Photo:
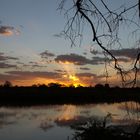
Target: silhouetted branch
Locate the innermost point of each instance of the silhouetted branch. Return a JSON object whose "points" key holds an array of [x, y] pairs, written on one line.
{"points": [[87, 11]]}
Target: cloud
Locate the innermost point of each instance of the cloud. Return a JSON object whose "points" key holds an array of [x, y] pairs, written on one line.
{"points": [[85, 68], [82, 60], [86, 75], [76, 59], [123, 55], [125, 52], [4, 65], [7, 30], [99, 59], [122, 59], [38, 66], [60, 71], [5, 77], [104, 59], [32, 74], [29, 77], [130, 53], [35, 65], [21, 63], [32, 65], [4, 58], [46, 54], [84, 53], [95, 52]]}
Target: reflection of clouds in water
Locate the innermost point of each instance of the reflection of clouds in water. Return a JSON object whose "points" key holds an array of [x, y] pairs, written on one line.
{"points": [[46, 117], [4, 123], [105, 109], [72, 121], [46, 126], [85, 112], [131, 106], [132, 111], [7, 117]]}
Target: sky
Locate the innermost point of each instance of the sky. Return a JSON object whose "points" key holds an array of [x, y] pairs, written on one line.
{"points": [[31, 53]]}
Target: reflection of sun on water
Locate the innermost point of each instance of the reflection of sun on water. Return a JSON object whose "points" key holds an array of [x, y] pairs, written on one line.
{"points": [[68, 114]]}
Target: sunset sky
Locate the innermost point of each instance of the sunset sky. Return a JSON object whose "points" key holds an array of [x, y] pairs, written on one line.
{"points": [[31, 52]]}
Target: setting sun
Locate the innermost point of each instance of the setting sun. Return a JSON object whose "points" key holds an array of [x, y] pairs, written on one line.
{"points": [[73, 78]]}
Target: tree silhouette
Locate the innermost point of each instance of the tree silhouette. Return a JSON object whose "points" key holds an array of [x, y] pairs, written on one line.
{"points": [[105, 23], [7, 84], [54, 85]]}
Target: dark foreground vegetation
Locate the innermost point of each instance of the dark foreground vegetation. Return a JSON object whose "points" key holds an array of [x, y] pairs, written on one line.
{"points": [[23, 96], [99, 130]]}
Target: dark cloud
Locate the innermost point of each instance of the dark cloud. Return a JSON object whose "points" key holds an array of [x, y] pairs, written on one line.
{"points": [[46, 54], [6, 30], [100, 59], [35, 65], [4, 77], [104, 59], [11, 58], [21, 63], [31, 65], [82, 60], [76, 59], [121, 59], [84, 53], [130, 53], [123, 55], [29, 74], [95, 52], [4, 58], [85, 68], [1, 53], [125, 52], [60, 71], [4, 65], [38, 66], [31, 62], [86, 75]]}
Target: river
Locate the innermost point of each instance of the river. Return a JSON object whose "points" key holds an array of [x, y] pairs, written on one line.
{"points": [[53, 122]]}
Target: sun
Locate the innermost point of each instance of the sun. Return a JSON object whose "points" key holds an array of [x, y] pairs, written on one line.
{"points": [[73, 78], [70, 74]]}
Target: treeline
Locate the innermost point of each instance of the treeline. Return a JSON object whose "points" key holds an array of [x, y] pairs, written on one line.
{"points": [[55, 85], [38, 95]]}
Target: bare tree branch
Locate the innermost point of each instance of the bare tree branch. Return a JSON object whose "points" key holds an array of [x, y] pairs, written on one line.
{"points": [[87, 11]]}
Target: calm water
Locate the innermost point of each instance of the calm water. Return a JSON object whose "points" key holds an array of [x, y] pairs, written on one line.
{"points": [[53, 122]]}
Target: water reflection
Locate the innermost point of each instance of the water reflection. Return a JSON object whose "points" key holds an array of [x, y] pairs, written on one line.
{"points": [[7, 118], [68, 113], [53, 122], [132, 110]]}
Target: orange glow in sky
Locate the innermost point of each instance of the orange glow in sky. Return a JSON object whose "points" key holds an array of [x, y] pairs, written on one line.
{"points": [[70, 73]]}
